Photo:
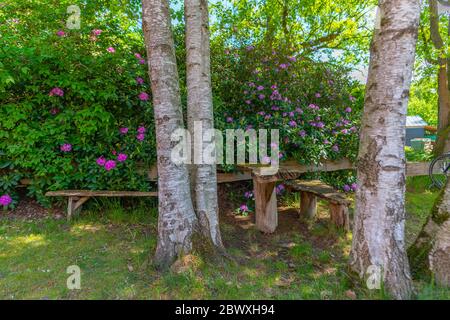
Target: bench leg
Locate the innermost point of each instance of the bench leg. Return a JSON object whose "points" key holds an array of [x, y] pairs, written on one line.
{"points": [[339, 216], [266, 214], [308, 204], [71, 207], [74, 205]]}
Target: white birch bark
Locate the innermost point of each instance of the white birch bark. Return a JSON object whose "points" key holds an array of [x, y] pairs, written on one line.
{"points": [[378, 234], [176, 214], [200, 110]]}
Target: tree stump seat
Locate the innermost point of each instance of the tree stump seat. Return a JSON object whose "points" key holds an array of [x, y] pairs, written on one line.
{"points": [[76, 198], [311, 190]]}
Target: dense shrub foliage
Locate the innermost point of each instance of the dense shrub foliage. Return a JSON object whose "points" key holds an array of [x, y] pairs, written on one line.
{"points": [[71, 98], [312, 104], [76, 110]]}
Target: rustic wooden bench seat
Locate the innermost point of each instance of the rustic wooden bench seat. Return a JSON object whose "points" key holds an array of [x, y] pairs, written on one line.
{"points": [[76, 198], [310, 190]]}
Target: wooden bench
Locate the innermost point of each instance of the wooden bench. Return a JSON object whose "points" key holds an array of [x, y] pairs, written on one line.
{"points": [[78, 197], [310, 190]]}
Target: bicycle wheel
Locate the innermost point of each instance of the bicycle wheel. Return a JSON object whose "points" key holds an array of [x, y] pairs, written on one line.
{"points": [[439, 170]]}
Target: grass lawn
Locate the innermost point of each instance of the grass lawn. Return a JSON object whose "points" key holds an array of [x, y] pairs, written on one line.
{"points": [[112, 246]]}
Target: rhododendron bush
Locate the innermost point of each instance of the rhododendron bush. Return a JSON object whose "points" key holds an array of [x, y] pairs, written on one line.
{"points": [[70, 98]]}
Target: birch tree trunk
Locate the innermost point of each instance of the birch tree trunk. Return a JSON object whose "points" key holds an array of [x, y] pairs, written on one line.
{"points": [[201, 118], [431, 251], [176, 215], [378, 234]]}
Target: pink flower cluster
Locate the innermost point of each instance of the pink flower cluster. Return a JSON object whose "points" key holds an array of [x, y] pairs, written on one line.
{"points": [[111, 164], [141, 133], [143, 96], [56, 92], [353, 187], [66, 147], [5, 200], [97, 32], [139, 80], [138, 56]]}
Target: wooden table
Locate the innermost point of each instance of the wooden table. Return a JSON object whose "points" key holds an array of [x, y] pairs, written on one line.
{"points": [[266, 213]]}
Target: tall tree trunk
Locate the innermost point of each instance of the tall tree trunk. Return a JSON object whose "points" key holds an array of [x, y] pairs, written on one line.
{"points": [[378, 234], [443, 80], [176, 213], [200, 117], [431, 251], [444, 106]]}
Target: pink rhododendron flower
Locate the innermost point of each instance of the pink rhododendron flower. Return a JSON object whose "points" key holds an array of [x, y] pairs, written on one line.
{"points": [[139, 80], [122, 157], [111, 49], [123, 130], [54, 111], [348, 109], [56, 92], [354, 186], [243, 208], [60, 33], [97, 32], [66, 147], [109, 165], [335, 148], [5, 200], [142, 61], [143, 96], [141, 129], [229, 119], [138, 56], [346, 188], [279, 189], [140, 137], [318, 95], [101, 161]]}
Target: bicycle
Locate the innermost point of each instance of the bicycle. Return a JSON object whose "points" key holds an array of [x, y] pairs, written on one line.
{"points": [[439, 170]]}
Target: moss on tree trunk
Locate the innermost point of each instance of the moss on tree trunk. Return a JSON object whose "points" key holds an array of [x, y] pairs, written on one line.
{"points": [[442, 142], [430, 253]]}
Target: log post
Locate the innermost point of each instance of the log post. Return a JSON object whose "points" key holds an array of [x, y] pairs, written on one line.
{"points": [[339, 215], [71, 207], [266, 214], [308, 204]]}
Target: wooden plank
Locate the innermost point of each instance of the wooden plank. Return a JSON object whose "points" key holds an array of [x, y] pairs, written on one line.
{"points": [[418, 169], [308, 204], [233, 177], [266, 214], [88, 193], [222, 177], [339, 215], [319, 189]]}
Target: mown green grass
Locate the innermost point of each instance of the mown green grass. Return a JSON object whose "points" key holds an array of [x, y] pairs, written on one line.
{"points": [[112, 246]]}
